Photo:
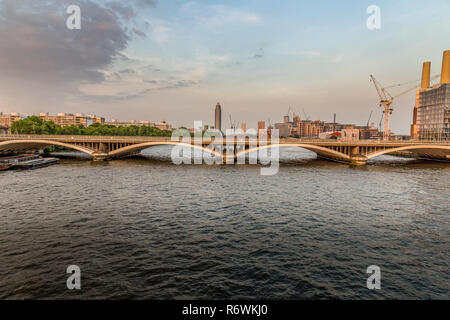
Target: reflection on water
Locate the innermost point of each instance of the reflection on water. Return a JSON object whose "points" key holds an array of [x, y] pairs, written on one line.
{"points": [[145, 228]]}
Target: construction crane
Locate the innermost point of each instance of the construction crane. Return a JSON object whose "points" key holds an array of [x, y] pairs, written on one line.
{"points": [[410, 82], [306, 116], [381, 120], [370, 117], [386, 101], [232, 125], [289, 112]]}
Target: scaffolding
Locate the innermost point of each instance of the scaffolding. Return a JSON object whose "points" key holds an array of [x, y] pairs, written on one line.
{"points": [[433, 113]]}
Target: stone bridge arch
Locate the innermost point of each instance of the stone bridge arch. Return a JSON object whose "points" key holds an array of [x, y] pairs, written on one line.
{"points": [[320, 151], [26, 145], [432, 151], [142, 146]]}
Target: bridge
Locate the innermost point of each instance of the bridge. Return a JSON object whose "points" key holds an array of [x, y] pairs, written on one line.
{"points": [[105, 148]]}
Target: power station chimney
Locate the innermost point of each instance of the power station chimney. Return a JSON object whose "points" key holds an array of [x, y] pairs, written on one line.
{"points": [[426, 71], [445, 74]]}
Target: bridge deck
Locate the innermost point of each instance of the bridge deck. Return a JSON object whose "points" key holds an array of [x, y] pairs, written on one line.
{"points": [[136, 140]]}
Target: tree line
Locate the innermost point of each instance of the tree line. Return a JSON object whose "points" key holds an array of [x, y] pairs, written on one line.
{"points": [[36, 125]]}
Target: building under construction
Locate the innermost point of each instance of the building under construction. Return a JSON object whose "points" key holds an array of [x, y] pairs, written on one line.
{"points": [[431, 119]]}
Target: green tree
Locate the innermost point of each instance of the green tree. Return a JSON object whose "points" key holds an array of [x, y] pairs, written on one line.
{"points": [[36, 125]]}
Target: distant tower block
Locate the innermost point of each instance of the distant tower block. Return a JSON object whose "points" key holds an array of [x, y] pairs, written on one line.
{"points": [[218, 117], [244, 127], [261, 127]]}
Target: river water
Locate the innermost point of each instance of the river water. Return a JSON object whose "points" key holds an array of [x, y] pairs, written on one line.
{"points": [[148, 229]]}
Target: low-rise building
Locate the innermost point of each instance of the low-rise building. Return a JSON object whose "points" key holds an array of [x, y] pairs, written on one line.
{"points": [[161, 125], [350, 134], [164, 126], [284, 129], [131, 123], [262, 128], [68, 119], [6, 120], [369, 133]]}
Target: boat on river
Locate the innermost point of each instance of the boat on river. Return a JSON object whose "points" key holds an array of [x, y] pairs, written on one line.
{"points": [[26, 161], [35, 163], [18, 158], [4, 166]]}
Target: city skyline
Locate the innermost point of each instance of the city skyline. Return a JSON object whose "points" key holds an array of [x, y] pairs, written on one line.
{"points": [[155, 60]]}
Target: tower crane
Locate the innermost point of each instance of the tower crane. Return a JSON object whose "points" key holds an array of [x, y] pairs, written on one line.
{"points": [[370, 117], [232, 125], [386, 101], [306, 116], [289, 112]]}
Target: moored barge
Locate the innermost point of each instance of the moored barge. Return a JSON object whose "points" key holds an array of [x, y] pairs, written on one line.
{"points": [[26, 161], [36, 163]]}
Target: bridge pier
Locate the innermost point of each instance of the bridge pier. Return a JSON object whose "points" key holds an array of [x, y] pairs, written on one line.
{"points": [[100, 156], [358, 160], [229, 155]]}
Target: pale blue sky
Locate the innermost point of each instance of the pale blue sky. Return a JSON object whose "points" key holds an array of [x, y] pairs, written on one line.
{"points": [[256, 57]]}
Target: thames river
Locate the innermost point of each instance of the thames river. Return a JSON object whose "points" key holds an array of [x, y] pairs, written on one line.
{"points": [[148, 229]]}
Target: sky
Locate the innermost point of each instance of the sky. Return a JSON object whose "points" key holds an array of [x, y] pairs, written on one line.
{"points": [[174, 60]]}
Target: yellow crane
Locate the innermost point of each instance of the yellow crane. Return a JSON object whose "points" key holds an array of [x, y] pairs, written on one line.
{"points": [[386, 101]]}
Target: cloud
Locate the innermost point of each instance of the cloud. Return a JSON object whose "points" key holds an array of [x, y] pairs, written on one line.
{"points": [[223, 15], [258, 55], [125, 11], [219, 15], [44, 64], [159, 32], [150, 3], [166, 85], [45, 61], [326, 57], [135, 91], [127, 71], [139, 33], [36, 45]]}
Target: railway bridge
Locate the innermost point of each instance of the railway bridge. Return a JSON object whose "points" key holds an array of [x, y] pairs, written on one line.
{"points": [[110, 147]]}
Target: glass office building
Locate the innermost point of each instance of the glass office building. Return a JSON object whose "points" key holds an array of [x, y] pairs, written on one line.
{"points": [[433, 113]]}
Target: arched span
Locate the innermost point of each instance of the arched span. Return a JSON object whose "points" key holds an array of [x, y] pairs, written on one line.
{"points": [[439, 150], [141, 146], [39, 144], [321, 151]]}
